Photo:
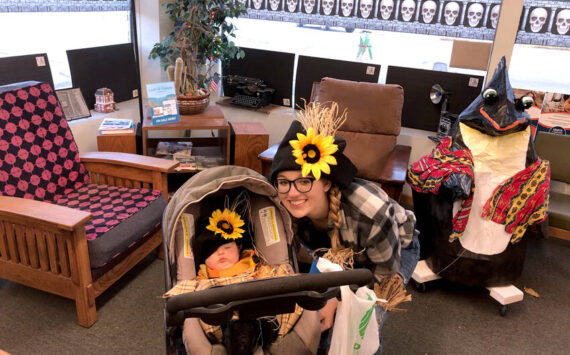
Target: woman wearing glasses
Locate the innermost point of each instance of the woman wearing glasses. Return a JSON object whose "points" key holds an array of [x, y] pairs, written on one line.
{"points": [[332, 209]]}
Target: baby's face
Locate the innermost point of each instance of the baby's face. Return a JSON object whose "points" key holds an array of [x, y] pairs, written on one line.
{"points": [[224, 257]]}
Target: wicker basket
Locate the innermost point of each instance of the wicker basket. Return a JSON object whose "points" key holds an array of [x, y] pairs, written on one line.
{"points": [[191, 105]]}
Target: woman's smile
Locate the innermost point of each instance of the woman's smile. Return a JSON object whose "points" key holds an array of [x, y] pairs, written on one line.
{"points": [[312, 204], [297, 203]]}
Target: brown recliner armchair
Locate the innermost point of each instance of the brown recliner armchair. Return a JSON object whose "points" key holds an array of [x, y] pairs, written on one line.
{"points": [[371, 130]]}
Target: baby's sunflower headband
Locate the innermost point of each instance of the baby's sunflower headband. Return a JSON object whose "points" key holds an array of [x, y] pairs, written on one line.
{"points": [[226, 223], [314, 151]]}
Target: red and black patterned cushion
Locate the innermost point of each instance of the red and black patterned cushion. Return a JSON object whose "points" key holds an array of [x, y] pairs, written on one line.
{"points": [[39, 158], [109, 205]]}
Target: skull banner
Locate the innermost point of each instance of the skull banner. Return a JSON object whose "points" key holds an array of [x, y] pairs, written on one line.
{"points": [[407, 10], [562, 23], [451, 12], [346, 8], [366, 9], [328, 7], [275, 5], [292, 5], [537, 20], [386, 10], [474, 15], [546, 22], [428, 11], [493, 18], [258, 4], [309, 6]]}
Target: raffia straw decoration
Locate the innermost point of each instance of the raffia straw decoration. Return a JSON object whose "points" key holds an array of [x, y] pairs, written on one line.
{"points": [[343, 256], [323, 119], [392, 290]]}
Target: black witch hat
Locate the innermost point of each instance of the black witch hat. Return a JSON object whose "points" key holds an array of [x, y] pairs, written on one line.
{"points": [[307, 148], [496, 112]]}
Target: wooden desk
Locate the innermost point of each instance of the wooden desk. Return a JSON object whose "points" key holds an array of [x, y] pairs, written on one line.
{"points": [[211, 119]]}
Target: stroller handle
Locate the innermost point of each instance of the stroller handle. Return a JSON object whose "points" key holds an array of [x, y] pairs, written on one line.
{"points": [[309, 290]]}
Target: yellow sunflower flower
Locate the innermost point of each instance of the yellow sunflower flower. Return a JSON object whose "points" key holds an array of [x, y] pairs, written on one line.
{"points": [[314, 153], [226, 224]]}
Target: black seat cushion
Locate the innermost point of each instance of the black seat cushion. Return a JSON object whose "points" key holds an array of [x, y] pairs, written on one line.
{"points": [[121, 217]]}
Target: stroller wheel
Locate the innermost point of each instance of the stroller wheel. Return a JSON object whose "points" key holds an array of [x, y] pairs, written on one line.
{"points": [[420, 286], [503, 310]]}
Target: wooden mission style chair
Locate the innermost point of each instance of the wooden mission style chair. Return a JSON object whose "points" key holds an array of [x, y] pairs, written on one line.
{"points": [[70, 224], [371, 130]]}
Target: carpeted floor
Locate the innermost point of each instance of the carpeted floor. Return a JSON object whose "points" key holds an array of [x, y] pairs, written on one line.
{"points": [[446, 319]]}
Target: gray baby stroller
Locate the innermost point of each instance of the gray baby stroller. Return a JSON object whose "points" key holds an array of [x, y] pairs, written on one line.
{"points": [[272, 239]]}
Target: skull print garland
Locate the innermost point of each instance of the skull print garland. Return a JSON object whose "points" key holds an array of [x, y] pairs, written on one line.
{"points": [[475, 14], [451, 12], [407, 10], [563, 21], [309, 6], [537, 19], [386, 8], [428, 11], [495, 15], [314, 151], [274, 5], [366, 7], [346, 7]]}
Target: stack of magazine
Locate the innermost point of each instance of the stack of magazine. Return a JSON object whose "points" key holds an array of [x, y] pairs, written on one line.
{"points": [[182, 153], [178, 151], [116, 126]]}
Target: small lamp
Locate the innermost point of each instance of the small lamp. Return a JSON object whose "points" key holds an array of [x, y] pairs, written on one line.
{"points": [[438, 95]]}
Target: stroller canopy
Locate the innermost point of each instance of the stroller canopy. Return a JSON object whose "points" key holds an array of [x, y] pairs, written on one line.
{"points": [[215, 181]]}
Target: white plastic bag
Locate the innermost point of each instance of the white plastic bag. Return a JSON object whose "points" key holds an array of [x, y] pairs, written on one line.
{"points": [[355, 329]]}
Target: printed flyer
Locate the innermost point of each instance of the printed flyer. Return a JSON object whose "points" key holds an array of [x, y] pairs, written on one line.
{"points": [[162, 101], [555, 115]]}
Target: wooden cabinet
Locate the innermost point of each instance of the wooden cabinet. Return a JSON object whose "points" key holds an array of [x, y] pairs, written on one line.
{"points": [[249, 140], [124, 143], [212, 121]]}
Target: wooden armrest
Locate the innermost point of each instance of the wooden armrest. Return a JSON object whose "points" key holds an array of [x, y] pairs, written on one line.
{"points": [[28, 212], [130, 160], [396, 167]]}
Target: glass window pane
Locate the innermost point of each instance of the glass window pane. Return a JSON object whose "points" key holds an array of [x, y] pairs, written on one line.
{"points": [[540, 68], [55, 32], [388, 48]]}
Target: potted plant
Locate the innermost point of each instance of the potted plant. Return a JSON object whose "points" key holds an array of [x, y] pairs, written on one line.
{"points": [[201, 37]]}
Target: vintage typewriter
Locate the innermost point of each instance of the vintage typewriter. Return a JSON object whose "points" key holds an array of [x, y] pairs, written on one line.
{"points": [[248, 92]]}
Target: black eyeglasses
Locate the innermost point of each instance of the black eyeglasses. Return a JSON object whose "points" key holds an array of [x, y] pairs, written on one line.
{"points": [[303, 184]]}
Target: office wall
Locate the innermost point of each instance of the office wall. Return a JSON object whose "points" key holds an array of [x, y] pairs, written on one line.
{"points": [[152, 25]]}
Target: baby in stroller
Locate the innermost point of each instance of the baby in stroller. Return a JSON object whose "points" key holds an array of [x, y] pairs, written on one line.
{"points": [[267, 230], [220, 250]]}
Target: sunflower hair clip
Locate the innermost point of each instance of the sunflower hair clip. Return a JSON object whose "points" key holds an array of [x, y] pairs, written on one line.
{"points": [[314, 151], [226, 223]]}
